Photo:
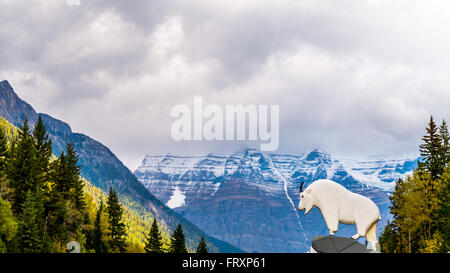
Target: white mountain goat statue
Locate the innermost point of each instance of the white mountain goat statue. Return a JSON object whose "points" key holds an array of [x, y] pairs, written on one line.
{"points": [[337, 204]]}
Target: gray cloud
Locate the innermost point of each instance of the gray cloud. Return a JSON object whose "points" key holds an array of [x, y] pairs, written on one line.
{"points": [[351, 77]]}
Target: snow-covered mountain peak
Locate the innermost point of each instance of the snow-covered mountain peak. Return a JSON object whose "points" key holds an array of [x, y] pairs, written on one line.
{"points": [[318, 157]]}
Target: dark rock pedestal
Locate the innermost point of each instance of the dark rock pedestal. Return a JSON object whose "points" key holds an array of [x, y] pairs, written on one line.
{"points": [[336, 244]]}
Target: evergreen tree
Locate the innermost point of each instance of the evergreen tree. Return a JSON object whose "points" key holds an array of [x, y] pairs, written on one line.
{"points": [[43, 147], [177, 241], [4, 185], [443, 213], [21, 167], [58, 202], [3, 150], [153, 242], [61, 177], [389, 239], [431, 150], [202, 248], [98, 244], [73, 172], [29, 234], [116, 227], [64, 218], [445, 138]]}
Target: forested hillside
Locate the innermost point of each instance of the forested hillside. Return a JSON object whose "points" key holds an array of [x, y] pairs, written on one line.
{"points": [[44, 203], [99, 165]]}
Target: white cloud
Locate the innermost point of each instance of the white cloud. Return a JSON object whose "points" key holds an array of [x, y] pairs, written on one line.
{"points": [[349, 76]]}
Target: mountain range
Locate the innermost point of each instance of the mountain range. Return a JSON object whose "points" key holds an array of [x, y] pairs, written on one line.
{"points": [[102, 168], [250, 199]]}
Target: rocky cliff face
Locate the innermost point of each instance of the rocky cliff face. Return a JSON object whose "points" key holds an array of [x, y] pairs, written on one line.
{"points": [[250, 199], [101, 167]]}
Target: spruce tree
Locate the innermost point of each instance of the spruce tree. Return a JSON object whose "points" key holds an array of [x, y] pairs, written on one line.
{"points": [[177, 241], [202, 248], [4, 185], [117, 230], [3, 150], [21, 167], [60, 176], [153, 242], [73, 173], [29, 233], [445, 138], [98, 244], [431, 150], [43, 146], [56, 207], [389, 239]]}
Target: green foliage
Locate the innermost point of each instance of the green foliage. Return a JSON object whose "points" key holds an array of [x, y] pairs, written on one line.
{"points": [[178, 242], [9, 129], [73, 173], [445, 147], [44, 203], [21, 167], [3, 149], [389, 238], [136, 218], [96, 238], [43, 148], [153, 242], [30, 237], [8, 225], [431, 150], [202, 248], [116, 227], [419, 204]]}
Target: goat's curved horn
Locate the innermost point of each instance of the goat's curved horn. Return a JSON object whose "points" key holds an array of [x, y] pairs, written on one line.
{"points": [[301, 186]]}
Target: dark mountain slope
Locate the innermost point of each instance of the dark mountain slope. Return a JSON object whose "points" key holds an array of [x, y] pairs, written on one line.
{"points": [[102, 167]]}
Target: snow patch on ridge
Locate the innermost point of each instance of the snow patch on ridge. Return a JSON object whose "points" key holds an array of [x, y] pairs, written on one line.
{"points": [[177, 199]]}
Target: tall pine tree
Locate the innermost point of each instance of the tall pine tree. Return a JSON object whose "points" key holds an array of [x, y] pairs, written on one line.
{"points": [[60, 176], [431, 150], [153, 242], [98, 244], [202, 248], [43, 147], [73, 173], [117, 230], [21, 167], [30, 235], [4, 185], [177, 241], [445, 147], [3, 149]]}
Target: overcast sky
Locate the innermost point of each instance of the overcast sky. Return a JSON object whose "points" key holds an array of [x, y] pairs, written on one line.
{"points": [[351, 77]]}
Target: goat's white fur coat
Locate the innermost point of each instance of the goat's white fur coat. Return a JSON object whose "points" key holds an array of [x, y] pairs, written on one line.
{"points": [[338, 204]]}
